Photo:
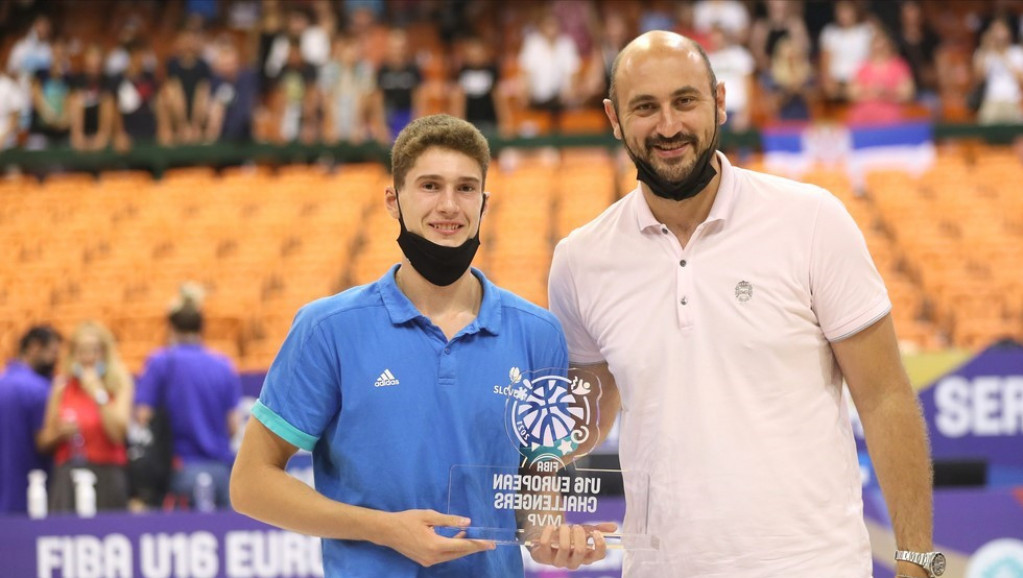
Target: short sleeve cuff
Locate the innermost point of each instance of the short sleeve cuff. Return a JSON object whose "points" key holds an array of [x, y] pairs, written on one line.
{"points": [[853, 326], [282, 428]]}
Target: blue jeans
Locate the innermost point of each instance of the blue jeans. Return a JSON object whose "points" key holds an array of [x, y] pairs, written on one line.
{"points": [[183, 481]]}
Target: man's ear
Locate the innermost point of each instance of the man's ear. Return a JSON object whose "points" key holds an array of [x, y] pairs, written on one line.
{"points": [[612, 115], [486, 203]]}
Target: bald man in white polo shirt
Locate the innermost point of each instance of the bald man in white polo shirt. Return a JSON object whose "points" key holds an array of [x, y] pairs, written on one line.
{"points": [[722, 308]]}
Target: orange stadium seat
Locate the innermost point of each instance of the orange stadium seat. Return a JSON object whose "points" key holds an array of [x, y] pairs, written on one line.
{"points": [[949, 244]]}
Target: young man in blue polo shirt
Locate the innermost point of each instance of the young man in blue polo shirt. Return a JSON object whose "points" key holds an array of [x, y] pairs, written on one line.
{"points": [[24, 389], [392, 383]]}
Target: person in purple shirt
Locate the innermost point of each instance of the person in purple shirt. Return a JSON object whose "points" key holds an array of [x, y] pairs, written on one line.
{"points": [[24, 389], [199, 389]]}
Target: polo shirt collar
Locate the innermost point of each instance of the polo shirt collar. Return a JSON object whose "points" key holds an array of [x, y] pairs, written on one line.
{"points": [[721, 210], [401, 310]]}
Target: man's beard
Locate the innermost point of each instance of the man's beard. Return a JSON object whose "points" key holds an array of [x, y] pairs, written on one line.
{"points": [[688, 180]]}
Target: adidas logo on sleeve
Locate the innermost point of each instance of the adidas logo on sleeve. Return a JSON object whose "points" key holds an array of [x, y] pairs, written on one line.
{"points": [[386, 378]]}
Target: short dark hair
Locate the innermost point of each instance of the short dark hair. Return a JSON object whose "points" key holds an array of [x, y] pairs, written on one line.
{"points": [[612, 94], [186, 318], [437, 130], [42, 335]]}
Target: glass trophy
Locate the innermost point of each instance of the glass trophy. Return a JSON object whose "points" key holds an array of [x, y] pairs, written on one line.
{"points": [[552, 420]]}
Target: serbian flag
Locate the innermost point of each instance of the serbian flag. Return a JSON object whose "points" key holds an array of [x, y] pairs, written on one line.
{"points": [[792, 150], [907, 146]]}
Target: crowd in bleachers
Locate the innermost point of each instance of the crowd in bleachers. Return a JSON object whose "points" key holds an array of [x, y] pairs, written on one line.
{"points": [[113, 74]]}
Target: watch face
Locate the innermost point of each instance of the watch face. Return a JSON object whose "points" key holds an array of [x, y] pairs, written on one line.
{"points": [[938, 564]]}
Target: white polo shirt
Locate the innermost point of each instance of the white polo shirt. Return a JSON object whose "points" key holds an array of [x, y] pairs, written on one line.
{"points": [[731, 396]]}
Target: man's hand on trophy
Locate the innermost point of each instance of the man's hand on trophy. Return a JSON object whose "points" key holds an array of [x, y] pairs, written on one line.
{"points": [[569, 546]]}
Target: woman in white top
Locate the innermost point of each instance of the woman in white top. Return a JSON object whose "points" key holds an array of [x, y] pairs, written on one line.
{"points": [[845, 45], [999, 64]]}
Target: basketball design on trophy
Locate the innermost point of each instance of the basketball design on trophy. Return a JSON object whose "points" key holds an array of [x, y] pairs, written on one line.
{"points": [[550, 415]]}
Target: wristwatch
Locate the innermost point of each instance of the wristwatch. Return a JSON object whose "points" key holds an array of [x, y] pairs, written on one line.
{"points": [[933, 562]]}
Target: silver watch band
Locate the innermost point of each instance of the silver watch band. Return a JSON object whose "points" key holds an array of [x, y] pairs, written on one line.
{"points": [[919, 558]]}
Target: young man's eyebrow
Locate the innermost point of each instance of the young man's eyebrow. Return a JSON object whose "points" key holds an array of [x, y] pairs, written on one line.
{"points": [[441, 177]]}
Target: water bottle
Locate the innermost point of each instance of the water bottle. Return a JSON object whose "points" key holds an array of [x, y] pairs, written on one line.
{"points": [[77, 441], [204, 497], [85, 492], [37, 494]]}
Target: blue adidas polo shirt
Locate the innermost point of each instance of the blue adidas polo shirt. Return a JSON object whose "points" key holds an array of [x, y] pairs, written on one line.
{"points": [[387, 405]]}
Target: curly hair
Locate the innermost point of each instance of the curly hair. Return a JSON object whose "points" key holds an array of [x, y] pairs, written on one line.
{"points": [[438, 130]]}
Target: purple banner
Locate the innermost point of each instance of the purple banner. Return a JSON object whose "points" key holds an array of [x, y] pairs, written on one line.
{"points": [[981, 532], [219, 545], [976, 411]]}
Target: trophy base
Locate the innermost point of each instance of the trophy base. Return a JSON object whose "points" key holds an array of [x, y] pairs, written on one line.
{"points": [[507, 537]]}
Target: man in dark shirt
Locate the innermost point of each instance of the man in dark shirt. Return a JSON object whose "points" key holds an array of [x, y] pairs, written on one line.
{"points": [[141, 115], [233, 95], [24, 389], [50, 111], [187, 88], [91, 104], [398, 82], [477, 82]]}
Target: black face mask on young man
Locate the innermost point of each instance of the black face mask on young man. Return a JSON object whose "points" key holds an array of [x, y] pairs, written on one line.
{"points": [[701, 175], [439, 264]]}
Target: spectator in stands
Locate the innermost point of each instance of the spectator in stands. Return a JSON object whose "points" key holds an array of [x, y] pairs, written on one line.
{"points": [[87, 418], [729, 15], [789, 80], [918, 44], [313, 42], [782, 21], [187, 88], [656, 15], [270, 27], [844, 47], [685, 24], [234, 95], [24, 389], [614, 34], [32, 53], [118, 59], [477, 88], [296, 98], [578, 21], [348, 83], [11, 105], [200, 390], [91, 104], [999, 65], [550, 64], [141, 112], [51, 113], [882, 85], [398, 84], [734, 66]]}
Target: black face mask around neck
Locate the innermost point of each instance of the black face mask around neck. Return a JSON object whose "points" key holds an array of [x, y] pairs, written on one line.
{"points": [[701, 175], [438, 264]]}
